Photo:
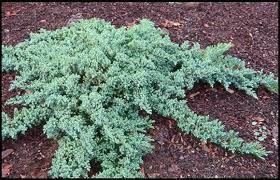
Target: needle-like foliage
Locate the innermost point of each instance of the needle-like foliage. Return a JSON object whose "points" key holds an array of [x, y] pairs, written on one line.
{"points": [[87, 83]]}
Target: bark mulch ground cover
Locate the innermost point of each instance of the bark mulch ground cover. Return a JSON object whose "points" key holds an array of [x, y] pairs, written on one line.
{"points": [[251, 27]]}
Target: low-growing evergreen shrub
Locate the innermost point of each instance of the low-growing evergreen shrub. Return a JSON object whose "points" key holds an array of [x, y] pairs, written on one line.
{"points": [[87, 83]]}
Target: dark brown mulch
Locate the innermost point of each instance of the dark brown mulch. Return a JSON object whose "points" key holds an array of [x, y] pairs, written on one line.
{"points": [[251, 27]]}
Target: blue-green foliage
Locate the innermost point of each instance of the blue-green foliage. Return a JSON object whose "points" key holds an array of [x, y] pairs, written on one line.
{"points": [[87, 83]]}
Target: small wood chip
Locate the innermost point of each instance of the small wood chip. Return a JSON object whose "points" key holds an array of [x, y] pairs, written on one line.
{"points": [[6, 153], [165, 30], [275, 135], [231, 91], [182, 140], [8, 13], [22, 176], [191, 5], [206, 25], [173, 168], [214, 89], [43, 21], [135, 21], [205, 148], [258, 119], [172, 139], [171, 124], [194, 94], [6, 168], [74, 18], [169, 24], [142, 170], [153, 175]]}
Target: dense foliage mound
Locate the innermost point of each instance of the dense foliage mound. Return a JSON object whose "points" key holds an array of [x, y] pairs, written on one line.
{"points": [[88, 82]]}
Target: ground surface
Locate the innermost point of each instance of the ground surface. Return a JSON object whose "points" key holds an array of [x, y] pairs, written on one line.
{"points": [[251, 27]]}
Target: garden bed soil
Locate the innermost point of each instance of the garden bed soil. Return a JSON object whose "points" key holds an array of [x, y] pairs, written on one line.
{"points": [[251, 27]]}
